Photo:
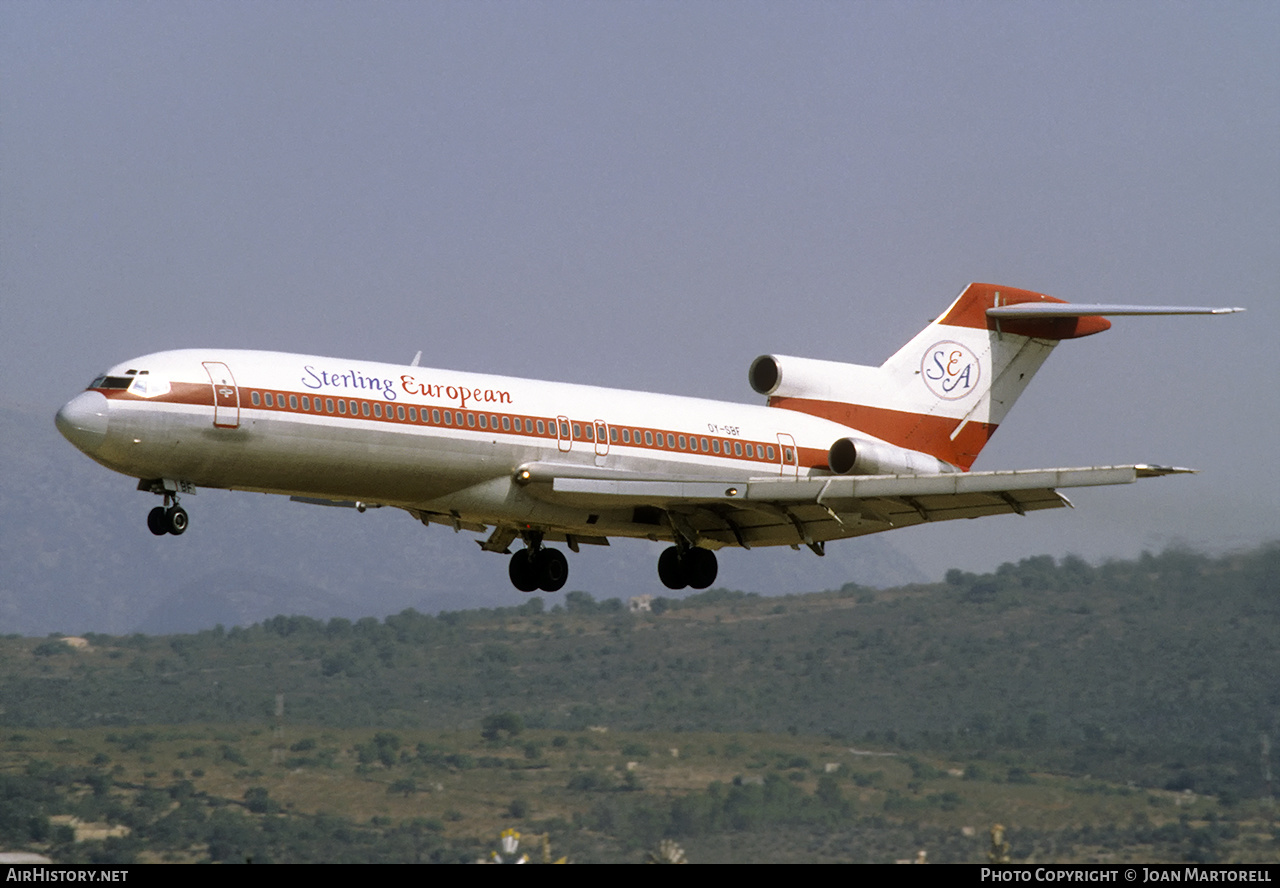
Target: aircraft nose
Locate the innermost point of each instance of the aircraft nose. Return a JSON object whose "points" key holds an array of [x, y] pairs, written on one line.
{"points": [[83, 420]]}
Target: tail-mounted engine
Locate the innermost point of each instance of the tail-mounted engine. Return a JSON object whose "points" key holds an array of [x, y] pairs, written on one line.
{"points": [[860, 456], [783, 376]]}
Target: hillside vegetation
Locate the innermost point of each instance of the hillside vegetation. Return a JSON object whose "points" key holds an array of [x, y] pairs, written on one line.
{"points": [[1113, 710]]}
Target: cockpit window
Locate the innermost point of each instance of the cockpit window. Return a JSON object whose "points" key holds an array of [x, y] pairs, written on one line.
{"points": [[111, 382], [147, 386]]}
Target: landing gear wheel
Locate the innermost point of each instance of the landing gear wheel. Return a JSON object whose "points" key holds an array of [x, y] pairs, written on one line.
{"points": [[176, 520], [700, 567], [521, 570], [157, 522], [696, 568], [552, 569], [670, 570]]}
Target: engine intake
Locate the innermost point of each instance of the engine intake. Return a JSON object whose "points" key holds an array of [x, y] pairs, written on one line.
{"points": [[765, 374]]}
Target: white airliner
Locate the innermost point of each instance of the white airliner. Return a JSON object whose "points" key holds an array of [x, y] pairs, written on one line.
{"points": [[839, 450]]}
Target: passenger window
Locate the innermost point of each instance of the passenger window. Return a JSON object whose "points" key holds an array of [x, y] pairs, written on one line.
{"points": [[577, 431], [399, 413], [328, 404], [256, 400], [613, 435], [413, 414], [448, 417], [705, 445], [377, 410], [506, 423], [684, 444], [364, 408], [715, 445], [737, 448], [671, 440], [484, 421], [626, 436], [270, 401], [306, 403], [435, 416], [542, 428], [590, 430], [648, 438], [751, 451], [293, 402], [564, 430], [769, 450], [342, 407]]}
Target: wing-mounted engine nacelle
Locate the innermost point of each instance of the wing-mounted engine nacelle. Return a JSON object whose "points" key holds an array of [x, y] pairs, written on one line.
{"points": [[859, 456]]}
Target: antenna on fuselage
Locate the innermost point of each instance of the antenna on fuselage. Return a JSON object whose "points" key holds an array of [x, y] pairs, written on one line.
{"points": [[416, 359]]}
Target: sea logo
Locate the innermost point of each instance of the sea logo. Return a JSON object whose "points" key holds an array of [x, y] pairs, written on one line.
{"points": [[950, 370]]}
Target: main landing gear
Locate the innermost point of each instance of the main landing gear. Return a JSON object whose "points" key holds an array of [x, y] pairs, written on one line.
{"points": [[169, 518], [693, 567], [536, 567]]}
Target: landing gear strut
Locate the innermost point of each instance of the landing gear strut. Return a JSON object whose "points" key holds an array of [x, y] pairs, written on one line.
{"points": [[694, 567], [169, 518], [535, 567]]}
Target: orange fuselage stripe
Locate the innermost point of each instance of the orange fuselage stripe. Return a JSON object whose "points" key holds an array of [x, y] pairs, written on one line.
{"points": [[201, 394]]}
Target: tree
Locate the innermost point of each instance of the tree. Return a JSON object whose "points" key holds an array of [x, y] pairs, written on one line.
{"points": [[500, 725], [406, 787]]}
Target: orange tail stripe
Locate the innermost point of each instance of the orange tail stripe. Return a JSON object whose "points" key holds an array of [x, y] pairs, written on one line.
{"points": [[915, 431]]}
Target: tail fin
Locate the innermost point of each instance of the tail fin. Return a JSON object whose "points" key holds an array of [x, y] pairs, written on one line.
{"points": [[946, 391]]}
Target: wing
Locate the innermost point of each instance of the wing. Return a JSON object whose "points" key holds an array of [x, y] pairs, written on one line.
{"points": [[779, 511]]}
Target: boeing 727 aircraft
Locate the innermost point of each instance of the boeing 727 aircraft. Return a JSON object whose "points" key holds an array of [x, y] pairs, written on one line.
{"points": [[838, 450]]}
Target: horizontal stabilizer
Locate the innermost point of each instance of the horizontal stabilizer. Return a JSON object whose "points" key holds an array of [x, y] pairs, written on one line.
{"points": [[1072, 310]]}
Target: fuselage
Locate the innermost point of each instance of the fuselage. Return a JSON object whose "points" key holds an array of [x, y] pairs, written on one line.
{"points": [[440, 442]]}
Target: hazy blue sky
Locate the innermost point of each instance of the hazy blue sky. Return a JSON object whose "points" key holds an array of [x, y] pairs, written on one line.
{"points": [[648, 195]]}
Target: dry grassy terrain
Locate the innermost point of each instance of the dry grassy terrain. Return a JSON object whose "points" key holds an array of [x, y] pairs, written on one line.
{"points": [[465, 790]]}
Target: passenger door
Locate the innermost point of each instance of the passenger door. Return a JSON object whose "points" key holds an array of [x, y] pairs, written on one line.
{"points": [[226, 395], [788, 456]]}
